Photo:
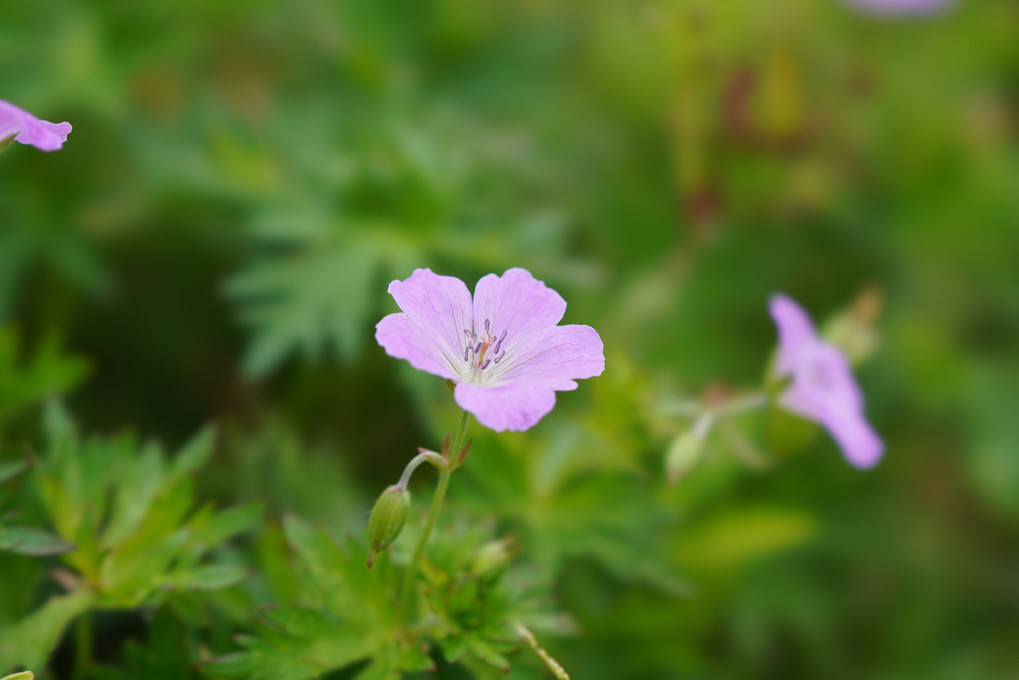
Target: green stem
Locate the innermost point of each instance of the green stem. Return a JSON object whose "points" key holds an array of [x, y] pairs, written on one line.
{"points": [[410, 576], [82, 647]]}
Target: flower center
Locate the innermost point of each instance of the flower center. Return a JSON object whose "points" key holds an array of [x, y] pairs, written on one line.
{"points": [[483, 350], [820, 376]]}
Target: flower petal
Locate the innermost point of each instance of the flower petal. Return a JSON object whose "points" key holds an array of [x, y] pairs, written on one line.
{"points": [[403, 339], [440, 308], [823, 381], [795, 331], [902, 6], [30, 130], [554, 357], [517, 303], [10, 120], [514, 407], [45, 135], [859, 443]]}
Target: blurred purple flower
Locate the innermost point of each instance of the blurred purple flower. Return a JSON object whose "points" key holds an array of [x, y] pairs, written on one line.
{"points": [[503, 349], [822, 387], [901, 6], [30, 130]]}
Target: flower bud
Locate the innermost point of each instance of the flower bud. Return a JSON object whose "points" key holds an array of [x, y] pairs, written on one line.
{"points": [[492, 559], [387, 519], [686, 449]]}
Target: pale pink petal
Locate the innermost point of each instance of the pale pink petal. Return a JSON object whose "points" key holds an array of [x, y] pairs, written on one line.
{"points": [[902, 6], [795, 332], [440, 308], [517, 303], [854, 435], [403, 339], [514, 407], [555, 357], [823, 375], [10, 120], [44, 135], [30, 130]]}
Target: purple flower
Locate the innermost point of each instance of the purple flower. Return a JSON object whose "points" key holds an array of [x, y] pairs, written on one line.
{"points": [[901, 6], [503, 349], [822, 387], [30, 130]]}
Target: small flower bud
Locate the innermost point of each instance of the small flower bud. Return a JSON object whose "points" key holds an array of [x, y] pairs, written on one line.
{"points": [[492, 559], [686, 449], [387, 519]]}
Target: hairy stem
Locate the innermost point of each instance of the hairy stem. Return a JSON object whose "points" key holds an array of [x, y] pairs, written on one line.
{"points": [[407, 592]]}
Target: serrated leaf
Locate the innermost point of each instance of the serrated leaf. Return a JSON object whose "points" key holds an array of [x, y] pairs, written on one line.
{"points": [[211, 577], [195, 453], [293, 644], [44, 373], [314, 300], [29, 541], [225, 525], [28, 642]]}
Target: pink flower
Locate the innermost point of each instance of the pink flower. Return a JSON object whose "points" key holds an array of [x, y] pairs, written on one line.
{"points": [[901, 6], [503, 349], [30, 130], [822, 387]]}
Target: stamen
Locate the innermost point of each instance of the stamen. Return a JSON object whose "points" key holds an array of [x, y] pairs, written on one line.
{"points": [[467, 353], [478, 348], [485, 365], [498, 343], [499, 358], [487, 324]]}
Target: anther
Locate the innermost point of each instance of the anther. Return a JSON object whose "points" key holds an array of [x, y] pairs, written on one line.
{"points": [[498, 343], [467, 353], [499, 358], [487, 324], [485, 365]]}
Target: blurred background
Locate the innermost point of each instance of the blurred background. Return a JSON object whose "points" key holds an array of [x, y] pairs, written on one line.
{"points": [[244, 178]]}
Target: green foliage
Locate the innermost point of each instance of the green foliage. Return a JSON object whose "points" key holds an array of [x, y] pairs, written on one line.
{"points": [[243, 180], [163, 656], [129, 516], [344, 613], [315, 276], [47, 372]]}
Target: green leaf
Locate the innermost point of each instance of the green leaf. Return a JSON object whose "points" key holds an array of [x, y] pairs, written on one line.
{"points": [[211, 577], [12, 469], [44, 373], [223, 526], [737, 537], [28, 642], [294, 644], [29, 541], [316, 299], [195, 454]]}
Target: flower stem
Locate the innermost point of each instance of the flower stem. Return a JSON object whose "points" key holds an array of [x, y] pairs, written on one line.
{"points": [[742, 404], [407, 592], [430, 456]]}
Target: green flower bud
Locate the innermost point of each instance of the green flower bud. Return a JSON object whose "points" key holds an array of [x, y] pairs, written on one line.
{"points": [[686, 449], [387, 519], [492, 559]]}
